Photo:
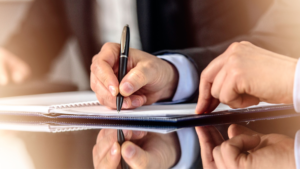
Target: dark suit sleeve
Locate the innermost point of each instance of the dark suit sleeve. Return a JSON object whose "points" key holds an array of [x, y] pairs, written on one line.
{"points": [[41, 35]]}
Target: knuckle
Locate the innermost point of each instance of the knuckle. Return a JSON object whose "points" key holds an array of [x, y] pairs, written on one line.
{"points": [[95, 58], [139, 76], [234, 58], [111, 47], [225, 146], [108, 45], [216, 150], [150, 65], [246, 43], [214, 93], [95, 68], [234, 46], [98, 70], [224, 100], [234, 128], [237, 74]]}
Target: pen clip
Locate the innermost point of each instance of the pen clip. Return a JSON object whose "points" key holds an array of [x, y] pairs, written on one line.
{"points": [[123, 39]]}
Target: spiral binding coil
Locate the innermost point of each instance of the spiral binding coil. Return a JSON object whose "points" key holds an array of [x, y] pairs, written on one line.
{"points": [[72, 105], [67, 129]]}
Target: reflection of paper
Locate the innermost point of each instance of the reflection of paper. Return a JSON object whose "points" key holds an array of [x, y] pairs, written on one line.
{"points": [[65, 128]]}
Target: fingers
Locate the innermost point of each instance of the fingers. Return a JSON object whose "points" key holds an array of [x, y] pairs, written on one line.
{"points": [[232, 91], [103, 67], [134, 135], [230, 153], [235, 130], [105, 98], [135, 101], [219, 161], [112, 158], [209, 138], [207, 78], [136, 157], [107, 152]]}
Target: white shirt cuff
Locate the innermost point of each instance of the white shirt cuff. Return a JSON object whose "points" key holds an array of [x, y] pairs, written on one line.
{"points": [[297, 149], [296, 90], [190, 148], [188, 77]]}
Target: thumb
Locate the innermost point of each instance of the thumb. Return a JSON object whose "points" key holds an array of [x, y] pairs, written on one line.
{"points": [[135, 79], [135, 157]]}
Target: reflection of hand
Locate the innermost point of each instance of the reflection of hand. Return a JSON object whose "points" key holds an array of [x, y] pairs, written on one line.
{"points": [[144, 150], [245, 149], [148, 80], [11, 67], [244, 75]]}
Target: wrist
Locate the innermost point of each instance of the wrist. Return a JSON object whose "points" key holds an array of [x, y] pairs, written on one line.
{"points": [[291, 75], [176, 152], [172, 82]]}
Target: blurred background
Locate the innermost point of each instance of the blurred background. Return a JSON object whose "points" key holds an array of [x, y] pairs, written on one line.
{"points": [[47, 46]]}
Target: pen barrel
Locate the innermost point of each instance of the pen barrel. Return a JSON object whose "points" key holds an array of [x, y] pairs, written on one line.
{"points": [[122, 67]]}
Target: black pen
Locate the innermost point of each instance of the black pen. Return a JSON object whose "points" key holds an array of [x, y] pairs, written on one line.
{"points": [[122, 71], [123, 61]]}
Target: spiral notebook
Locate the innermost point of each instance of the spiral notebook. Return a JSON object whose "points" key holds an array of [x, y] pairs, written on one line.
{"points": [[79, 111]]}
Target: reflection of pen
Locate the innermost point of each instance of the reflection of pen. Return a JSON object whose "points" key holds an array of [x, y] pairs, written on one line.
{"points": [[121, 140], [122, 71]]}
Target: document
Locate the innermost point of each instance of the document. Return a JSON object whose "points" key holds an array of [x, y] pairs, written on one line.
{"points": [[71, 111]]}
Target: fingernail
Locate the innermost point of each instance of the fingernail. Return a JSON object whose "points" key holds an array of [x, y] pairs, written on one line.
{"points": [[112, 90], [114, 149], [127, 87], [130, 151], [136, 103]]}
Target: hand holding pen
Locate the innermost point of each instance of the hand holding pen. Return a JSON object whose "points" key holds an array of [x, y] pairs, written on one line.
{"points": [[125, 39], [148, 79]]}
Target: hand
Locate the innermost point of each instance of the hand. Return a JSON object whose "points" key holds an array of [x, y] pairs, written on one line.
{"points": [[12, 68], [244, 75], [245, 149], [144, 150], [149, 79]]}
